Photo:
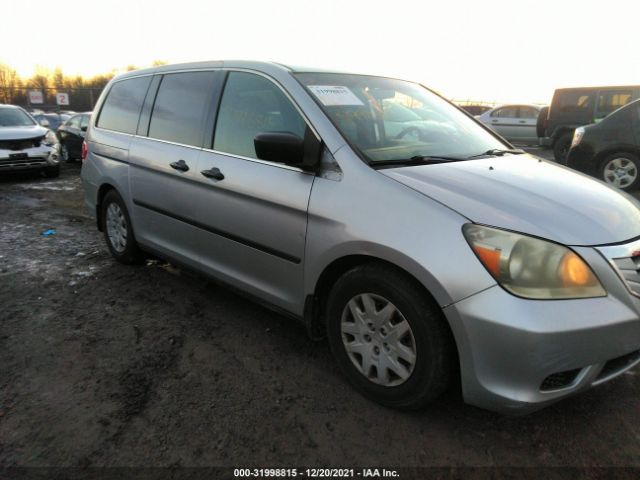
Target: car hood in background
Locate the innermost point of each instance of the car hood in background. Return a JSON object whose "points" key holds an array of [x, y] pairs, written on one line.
{"points": [[19, 133], [529, 195]]}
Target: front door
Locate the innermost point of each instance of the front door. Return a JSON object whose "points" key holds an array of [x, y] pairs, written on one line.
{"points": [[253, 213]]}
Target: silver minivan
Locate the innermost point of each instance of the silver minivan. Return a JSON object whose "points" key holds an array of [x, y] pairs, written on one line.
{"points": [[424, 247]]}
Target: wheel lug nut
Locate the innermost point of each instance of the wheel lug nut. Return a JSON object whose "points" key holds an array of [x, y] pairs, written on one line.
{"points": [[367, 338], [376, 350]]}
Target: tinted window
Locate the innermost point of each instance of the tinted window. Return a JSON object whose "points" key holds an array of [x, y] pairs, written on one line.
{"points": [[180, 107], [122, 107], [252, 104], [528, 112], [575, 101], [611, 100], [506, 112]]}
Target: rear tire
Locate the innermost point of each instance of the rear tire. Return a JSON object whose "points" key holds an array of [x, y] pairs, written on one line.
{"points": [[118, 230], [370, 356], [561, 148]]}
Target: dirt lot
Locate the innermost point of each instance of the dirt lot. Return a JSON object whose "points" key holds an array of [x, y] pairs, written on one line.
{"points": [[108, 365]]}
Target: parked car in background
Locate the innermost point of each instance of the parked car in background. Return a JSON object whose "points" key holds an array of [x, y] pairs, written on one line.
{"points": [[516, 123], [610, 149], [573, 107], [51, 120], [25, 145], [475, 110], [71, 134], [430, 254]]}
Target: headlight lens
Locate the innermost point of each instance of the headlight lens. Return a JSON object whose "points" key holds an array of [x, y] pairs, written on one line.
{"points": [[577, 136], [50, 139], [530, 267]]}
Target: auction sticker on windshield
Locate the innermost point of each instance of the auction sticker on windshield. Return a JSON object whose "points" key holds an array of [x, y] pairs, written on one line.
{"points": [[331, 95]]}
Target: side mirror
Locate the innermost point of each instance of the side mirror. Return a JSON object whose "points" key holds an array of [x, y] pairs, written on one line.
{"points": [[281, 147], [84, 129], [43, 122]]}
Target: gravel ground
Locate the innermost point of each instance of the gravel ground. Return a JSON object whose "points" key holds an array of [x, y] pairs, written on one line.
{"points": [[109, 365]]}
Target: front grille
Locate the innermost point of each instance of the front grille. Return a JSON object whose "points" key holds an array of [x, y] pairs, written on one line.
{"points": [[22, 162], [626, 260], [559, 380], [21, 144], [618, 364], [629, 268]]}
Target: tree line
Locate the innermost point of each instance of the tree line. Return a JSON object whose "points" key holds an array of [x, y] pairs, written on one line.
{"points": [[83, 91]]}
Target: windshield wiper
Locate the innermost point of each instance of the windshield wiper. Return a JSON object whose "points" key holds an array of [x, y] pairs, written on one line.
{"points": [[498, 152], [417, 160]]}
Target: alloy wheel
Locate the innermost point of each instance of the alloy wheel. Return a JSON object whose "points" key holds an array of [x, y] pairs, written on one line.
{"points": [[620, 172]]}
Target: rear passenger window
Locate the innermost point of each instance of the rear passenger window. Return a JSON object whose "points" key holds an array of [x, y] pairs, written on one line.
{"points": [[180, 107], [528, 112], [250, 105], [84, 121], [611, 100], [74, 122], [121, 109], [506, 112]]}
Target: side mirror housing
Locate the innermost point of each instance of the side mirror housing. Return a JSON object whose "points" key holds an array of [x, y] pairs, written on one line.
{"points": [[84, 129], [288, 148]]}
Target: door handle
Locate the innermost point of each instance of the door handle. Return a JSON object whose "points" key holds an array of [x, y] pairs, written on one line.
{"points": [[213, 173], [523, 121], [494, 121], [180, 165]]}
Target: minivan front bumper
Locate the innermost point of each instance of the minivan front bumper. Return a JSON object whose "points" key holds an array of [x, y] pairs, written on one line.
{"points": [[512, 346], [519, 355]]}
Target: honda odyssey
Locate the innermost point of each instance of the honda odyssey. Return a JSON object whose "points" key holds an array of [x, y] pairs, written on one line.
{"points": [[422, 245]]}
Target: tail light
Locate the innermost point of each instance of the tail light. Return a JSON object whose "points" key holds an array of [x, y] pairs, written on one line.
{"points": [[85, 150]]}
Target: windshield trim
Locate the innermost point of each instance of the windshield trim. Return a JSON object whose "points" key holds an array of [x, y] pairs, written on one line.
{"points": [[359, 153]]}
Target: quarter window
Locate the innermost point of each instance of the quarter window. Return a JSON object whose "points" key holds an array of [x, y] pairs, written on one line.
{"points": [[180, 107], [611, 100], [250, 105], [121, 109]]}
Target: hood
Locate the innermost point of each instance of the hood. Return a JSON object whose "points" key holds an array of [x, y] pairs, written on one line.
{"points": [[19, 133], [529, 195]]}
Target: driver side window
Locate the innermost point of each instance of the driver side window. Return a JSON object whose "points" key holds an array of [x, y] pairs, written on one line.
{"points": [[252, 104]]}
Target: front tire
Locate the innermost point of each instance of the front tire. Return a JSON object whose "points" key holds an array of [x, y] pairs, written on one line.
{"points": [[118, 230], [389, 337], [621, 170]]}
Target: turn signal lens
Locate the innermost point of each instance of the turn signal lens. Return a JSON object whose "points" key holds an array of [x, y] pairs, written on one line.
{"points": [[530, 267], [575, 273]]}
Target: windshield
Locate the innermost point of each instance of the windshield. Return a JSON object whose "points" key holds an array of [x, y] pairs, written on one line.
{"points": [[14, 117], [388, 120]]}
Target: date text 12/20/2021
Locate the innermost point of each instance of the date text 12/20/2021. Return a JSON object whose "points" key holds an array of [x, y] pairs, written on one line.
{"points": [[315, 473]]}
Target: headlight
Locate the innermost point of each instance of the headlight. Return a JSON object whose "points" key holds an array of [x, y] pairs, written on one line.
{"points": [[577, 136], [530, 267], [50, 139]]}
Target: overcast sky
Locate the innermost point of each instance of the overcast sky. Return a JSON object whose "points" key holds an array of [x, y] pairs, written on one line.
{"points": [[493, 50]]}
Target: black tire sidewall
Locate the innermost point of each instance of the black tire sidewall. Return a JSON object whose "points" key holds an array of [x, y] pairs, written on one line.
{"points": [[629, 156], [432, 370], [131, 253], [562, 144]]}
